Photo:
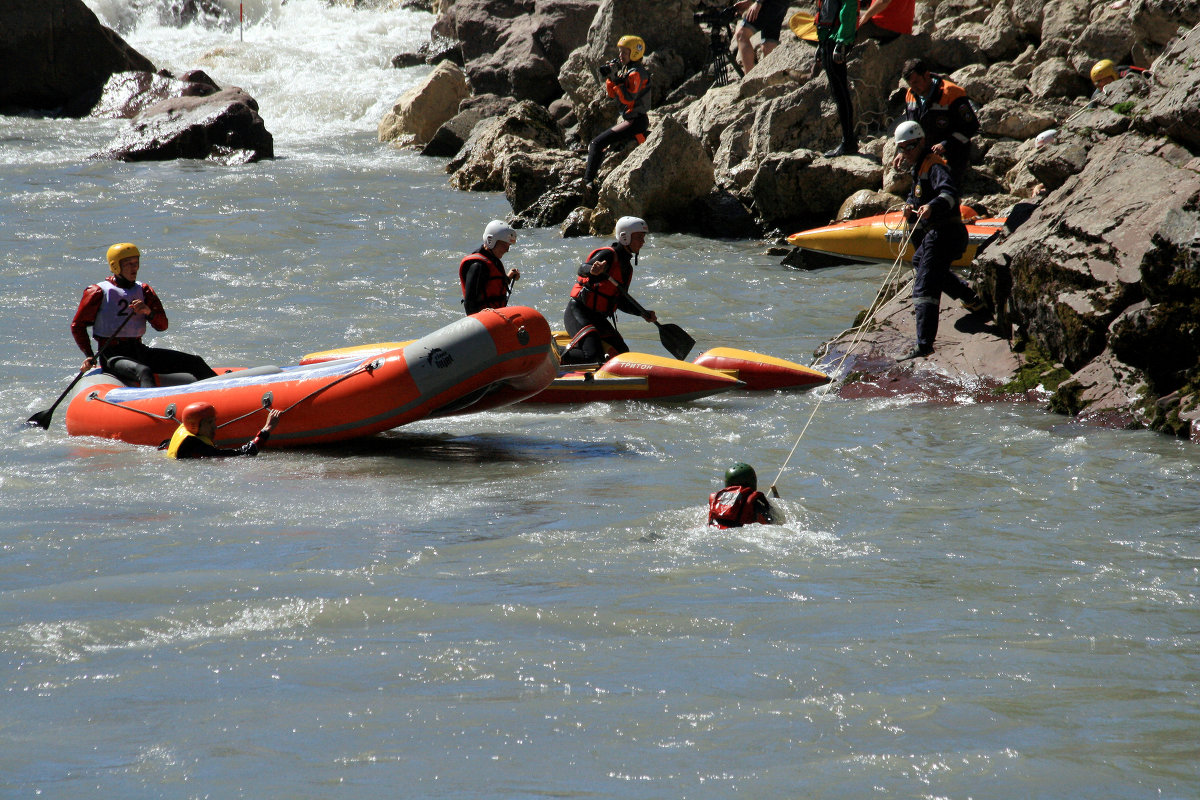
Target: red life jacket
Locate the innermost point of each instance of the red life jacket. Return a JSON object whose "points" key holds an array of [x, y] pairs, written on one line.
{"points": [[596, 291], [495, 288], [734, 506]]}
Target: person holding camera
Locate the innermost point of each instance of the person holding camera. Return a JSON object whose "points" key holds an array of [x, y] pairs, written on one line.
{"points": [[627, 81], [837, 26], [758, 16]]}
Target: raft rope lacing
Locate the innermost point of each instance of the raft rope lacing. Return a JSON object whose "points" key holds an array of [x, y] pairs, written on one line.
{"points": [[170, 416], [893, 275]]}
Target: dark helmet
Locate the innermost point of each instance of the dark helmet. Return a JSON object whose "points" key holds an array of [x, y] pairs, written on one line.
{"points": [[741, 474]]}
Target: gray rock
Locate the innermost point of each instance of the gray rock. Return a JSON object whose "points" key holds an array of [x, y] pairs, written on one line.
{"points": [[224, 126], [55, 56]]}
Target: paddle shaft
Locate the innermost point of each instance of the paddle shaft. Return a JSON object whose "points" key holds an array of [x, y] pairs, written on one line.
{"points": [[42, 418], [674, 338]]}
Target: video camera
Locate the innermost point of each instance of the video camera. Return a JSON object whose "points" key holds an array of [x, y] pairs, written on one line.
{"points": [[609, 67], [716, 16]]}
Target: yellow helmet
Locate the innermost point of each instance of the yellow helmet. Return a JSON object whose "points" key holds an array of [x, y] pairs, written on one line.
{"points": [[637, 47], [120, 251], [1104, 71]]}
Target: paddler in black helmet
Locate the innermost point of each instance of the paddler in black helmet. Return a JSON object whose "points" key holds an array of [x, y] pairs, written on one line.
{"points": [[601, 289], [194, 437], [481, 274], [740, 503]]}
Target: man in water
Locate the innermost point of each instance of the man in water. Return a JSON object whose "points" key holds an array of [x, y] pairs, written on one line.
{"points": [[601, 289], [481, 274], [740, 503], [938, 234], [117, 309], [194, 438]]}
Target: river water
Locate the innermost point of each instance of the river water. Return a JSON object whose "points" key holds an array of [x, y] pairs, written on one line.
{"points": [[967, 601]]}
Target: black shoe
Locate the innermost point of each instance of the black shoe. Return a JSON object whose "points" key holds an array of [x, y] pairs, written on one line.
{"points": [[920, 351], [843, 149]]}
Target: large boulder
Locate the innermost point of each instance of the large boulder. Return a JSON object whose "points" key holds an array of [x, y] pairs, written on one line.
{"points": [[1119, 233], [541, 186], [424, 108], [659, 179], [793, 188], [1175, 109], [55, 56], [223, 126], [525, 128], [127, 94], [516, 47]]}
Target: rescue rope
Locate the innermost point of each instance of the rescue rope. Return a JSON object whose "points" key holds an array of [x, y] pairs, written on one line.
{"points": [[893, 273]]}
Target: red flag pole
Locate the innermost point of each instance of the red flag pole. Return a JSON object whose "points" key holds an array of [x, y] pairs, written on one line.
{"points": [[241, 38]]}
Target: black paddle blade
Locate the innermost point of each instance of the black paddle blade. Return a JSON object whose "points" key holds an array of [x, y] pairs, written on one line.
{"points": [[40, 420], [676, 340]]}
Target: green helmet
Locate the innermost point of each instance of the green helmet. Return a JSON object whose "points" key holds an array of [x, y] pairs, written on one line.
{"points": [[741, 474]]}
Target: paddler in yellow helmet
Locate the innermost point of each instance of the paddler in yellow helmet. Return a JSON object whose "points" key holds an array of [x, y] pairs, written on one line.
{"points": [[194, 438]]}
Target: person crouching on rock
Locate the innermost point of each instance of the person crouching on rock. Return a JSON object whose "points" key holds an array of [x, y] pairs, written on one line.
{"points": [[740, 503], [938, 234], [601, 289], [627, 80], [481, 274], [194, 438]]}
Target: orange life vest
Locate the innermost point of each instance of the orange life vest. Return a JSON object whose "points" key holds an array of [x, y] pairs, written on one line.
{"points": [[495, 288], [596, 291], [733, 507]]}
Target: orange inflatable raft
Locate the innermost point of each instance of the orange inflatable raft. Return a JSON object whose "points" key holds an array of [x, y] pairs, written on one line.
{"points": [[489, 359]]}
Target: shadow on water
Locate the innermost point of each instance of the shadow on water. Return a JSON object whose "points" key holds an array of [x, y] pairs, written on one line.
{"points": [[471, 449]]}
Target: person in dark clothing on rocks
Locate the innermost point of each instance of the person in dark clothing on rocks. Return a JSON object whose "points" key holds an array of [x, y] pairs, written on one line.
{"points": [[1105, 72], [599, 292], [194, 437], [481, 274], [944, 112], [837, 26], [758, 16], [627, 80], [938, 234], [117, 310], [740, 503]]}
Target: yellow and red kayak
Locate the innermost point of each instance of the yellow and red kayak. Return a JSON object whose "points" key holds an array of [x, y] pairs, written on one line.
{"points": [[488, 359], [877, 239], [643, 376]]}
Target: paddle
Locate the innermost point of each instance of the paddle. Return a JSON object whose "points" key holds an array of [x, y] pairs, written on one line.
{"points": [[674, 338], [42, 418]]}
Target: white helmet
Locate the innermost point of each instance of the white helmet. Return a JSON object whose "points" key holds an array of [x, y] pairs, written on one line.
{"points": [[909, 132], [498, 231], [627, 227]]}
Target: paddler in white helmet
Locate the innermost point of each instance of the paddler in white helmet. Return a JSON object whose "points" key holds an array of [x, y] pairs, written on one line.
{"points": [[481, 274], [601, 289]]}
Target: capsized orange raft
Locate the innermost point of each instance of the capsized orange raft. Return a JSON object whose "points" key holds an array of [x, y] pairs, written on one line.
{"points": [[490, 359], [642, 376], [877, 239]]}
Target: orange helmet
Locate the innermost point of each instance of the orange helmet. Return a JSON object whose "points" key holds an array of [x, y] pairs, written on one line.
{"points": [[196, 413]]}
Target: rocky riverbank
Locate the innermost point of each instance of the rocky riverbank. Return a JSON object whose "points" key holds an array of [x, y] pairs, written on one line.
{"points": [[1094, 303]]}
